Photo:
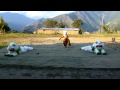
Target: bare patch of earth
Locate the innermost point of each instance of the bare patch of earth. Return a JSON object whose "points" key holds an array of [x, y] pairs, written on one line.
{"points": [[14, 73], [48, 54]]}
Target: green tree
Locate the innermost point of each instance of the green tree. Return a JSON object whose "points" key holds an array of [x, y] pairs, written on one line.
{"points": [[107, 29], [61, 25], [77, 24], [49, 23], [3, 26]]}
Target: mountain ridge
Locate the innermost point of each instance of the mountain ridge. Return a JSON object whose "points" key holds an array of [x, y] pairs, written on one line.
{"points": [[91, 20], [16, 21]]}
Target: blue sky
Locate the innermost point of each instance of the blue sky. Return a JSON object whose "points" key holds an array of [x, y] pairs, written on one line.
{"points": [[40, 14]]}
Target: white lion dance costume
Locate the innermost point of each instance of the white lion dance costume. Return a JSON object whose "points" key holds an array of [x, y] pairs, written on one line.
{"points": [[14, 49], [97, 47]]}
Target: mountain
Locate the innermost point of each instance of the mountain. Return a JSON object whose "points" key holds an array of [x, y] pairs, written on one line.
{"points": [[113, 19], [88, 18], [34, 25], [16, 21], [92, 20]]}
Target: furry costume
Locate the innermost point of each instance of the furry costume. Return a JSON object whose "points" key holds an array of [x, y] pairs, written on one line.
{"points": [[97, 47], [87, 48], [66, 41], [14, 49]]}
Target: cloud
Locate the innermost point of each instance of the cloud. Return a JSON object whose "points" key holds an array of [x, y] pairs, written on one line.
{"points": [[40, 14]]}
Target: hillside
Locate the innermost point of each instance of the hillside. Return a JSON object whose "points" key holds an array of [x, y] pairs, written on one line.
{"points": [[91, 19], [34, 25], [16, 21]]}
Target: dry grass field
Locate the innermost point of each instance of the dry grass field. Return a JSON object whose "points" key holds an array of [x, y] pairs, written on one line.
{"points": [[33, 40]]}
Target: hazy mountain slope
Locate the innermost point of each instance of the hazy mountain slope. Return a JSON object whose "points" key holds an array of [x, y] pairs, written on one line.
{"points": [[92, 19], [64, 18], [113, 19], [34, 25], [16, 21]]}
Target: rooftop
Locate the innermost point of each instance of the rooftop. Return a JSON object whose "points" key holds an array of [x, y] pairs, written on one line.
{"points": [[60, 28]]}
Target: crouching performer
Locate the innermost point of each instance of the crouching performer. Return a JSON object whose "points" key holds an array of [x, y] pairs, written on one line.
{"points": [[14, 49], [66, 41], [97, 47]]}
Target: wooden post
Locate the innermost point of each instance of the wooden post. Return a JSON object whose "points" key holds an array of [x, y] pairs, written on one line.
{"points": [[113, 40]]}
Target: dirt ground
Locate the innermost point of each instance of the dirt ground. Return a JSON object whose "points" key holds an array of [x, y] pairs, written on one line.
{"points": [[15, 73], [52, 61]]}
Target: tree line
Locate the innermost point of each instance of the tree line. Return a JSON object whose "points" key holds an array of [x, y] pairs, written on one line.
{"points": [[49, 23], [3, 26]]}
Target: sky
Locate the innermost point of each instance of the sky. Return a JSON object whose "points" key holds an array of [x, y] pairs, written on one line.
{"points": [[40, 14]]}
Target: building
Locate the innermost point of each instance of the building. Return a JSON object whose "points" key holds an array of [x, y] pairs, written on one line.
{"points": [[86, 32], [71, 31]]}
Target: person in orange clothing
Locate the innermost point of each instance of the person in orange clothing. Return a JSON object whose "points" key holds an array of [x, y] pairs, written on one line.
{"points": [[66, 41]]}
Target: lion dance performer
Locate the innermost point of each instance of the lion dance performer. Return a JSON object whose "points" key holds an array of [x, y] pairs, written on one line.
{"points": [[97, 47], [14, 49], [66, 41]]}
